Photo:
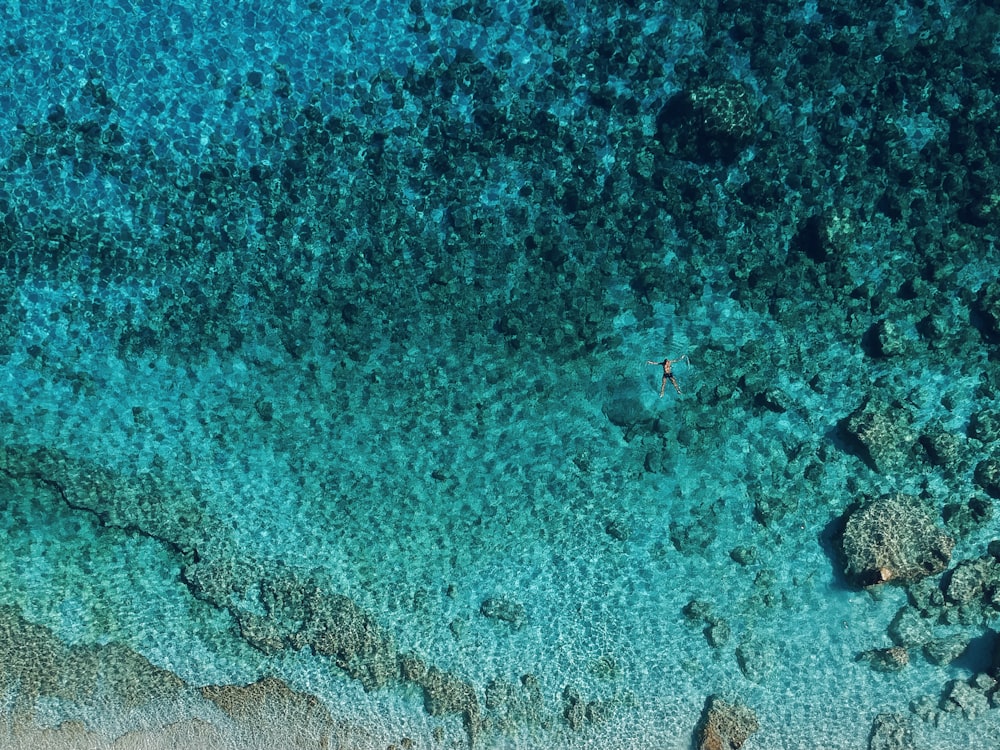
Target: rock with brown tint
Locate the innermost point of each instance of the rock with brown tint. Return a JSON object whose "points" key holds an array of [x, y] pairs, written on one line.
{"points": [[725, 726], [39, 665], [260, 632], [270, 710], [151, 708], [893, 538]]}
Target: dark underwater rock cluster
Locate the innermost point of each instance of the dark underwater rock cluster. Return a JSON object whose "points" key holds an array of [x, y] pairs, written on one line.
{"points": [[893, 540]]}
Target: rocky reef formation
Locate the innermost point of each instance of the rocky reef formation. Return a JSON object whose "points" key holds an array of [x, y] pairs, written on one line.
{"points": [[277, 607], [937, 624], [274, 608], [893, 538], [886, 659], [882, 434], [596, 183], [711, 122], [891, 732], [111, 698], [725, 726], [146, 504]]}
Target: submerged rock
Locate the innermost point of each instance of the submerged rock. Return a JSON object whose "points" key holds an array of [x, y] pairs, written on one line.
{"points": [[963, 518], [941, 651], [725, 726], [886, 659], [893, 538], [987, 476], [985, 426], [694, 533], [909, 629], [967, 699], [712, 122], [618, 530], [574, 708], [625, 408], [973, 581], [886, 340], [943, 448], [926, 708], [578, 712], [504, 608], [987, 304], [260, 632], [881, 434], [446, 693], [756, 659], [514, 703], [891, 732], [718, 634]]}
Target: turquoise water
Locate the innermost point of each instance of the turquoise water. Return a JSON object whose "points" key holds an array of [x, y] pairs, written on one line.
{"points": [[324, 334]]}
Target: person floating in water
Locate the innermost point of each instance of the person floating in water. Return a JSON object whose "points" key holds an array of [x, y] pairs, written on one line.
{"points": [[668, 373]]}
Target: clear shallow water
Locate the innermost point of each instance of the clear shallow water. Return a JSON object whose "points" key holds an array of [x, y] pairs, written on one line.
{"points": [[368, 294]]}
